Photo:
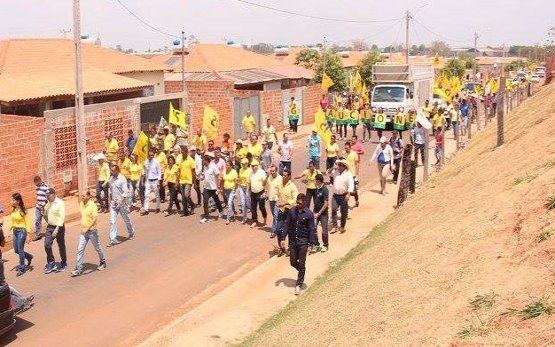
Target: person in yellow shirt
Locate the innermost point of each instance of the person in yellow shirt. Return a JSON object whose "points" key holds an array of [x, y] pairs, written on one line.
{"points": [[273, 183], [55, 213], [244, 175], [170, 180], [366, 117], [111, 147], [161, 158], [153, 137], [135, 173], [199, 141], [248, 124], [229, 185], [186, 181], [438, 120], [353, 164], [102, 182], [427, 110], [332, 151], [287, 199], [89, 231], [240, 153], [177, 154], [21, 226], [310, 176], [254, 147], [124, 163], [169, 139]]}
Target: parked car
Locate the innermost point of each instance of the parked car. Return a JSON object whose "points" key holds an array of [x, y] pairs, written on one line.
{"points": [[535, 78]]}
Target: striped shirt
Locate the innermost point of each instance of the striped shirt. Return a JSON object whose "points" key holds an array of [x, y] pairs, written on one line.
{"points": [[42, 191]]}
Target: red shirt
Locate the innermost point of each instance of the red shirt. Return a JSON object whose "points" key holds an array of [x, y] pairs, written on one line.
{"points": [[439, 140]]}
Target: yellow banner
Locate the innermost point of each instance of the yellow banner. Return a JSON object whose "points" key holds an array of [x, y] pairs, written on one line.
{"points": [[327, 82], [210, 122], [322, 126], [177, 117], [141, 147]]}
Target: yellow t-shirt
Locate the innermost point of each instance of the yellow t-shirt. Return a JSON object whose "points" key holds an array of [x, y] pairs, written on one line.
{"points": [[178, 158], [153, 140], [20, 221], [274, 184], [229, 179], [104, 172], [170, 175], [257, 180], [135, 171], [310, 178], [186, 170], [124, 167], [427, 111], [332, 150], [162, 160], [241, 153], [255, 150], [351, 159], [89, 212], [288, 194], [244, 175], [437, 120], [112, 148], [168, 141], [200, 142], [248, 124]]}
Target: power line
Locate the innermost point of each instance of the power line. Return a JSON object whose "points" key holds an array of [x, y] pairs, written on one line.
{"points": [[438, 35], [389, 27], [143, 21], [317, 17]]}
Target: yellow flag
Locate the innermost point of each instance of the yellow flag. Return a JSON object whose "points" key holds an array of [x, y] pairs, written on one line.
{"points": [[177, 117], [141, 147], [439, 92], [327, 82], [364, 93], [322, 126], [436, 60], [210, 122], [494, 83], [357, 83], [508, 84]]}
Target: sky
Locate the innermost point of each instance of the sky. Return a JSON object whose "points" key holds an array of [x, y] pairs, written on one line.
{"points": [[497, 22]]}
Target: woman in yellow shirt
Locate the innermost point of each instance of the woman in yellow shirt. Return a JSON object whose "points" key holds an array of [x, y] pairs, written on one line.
{"points": [[229, 184], [21, 225], [170, 180], [244, 174], [310, 176], [332, 150], [135, 173]]}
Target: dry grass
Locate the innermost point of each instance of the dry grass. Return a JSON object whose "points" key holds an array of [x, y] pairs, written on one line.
{"points": [[474, 232]]}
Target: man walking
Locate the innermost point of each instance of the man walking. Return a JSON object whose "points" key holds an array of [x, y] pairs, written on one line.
{"points": [[285, 149], [274, 182], [343, 186], [153, 174], [118, 205], [300, 230], [397, 146], [55, 214], [89, 231], [314, 143], [321, 197], [211, 180], [186, 180], [248, 124], [103, 178], [257, 181], [419, 143], [42, 191], [287, 197]]}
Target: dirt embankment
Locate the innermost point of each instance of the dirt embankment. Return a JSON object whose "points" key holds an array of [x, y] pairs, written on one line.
{"points": [[469, 260]]}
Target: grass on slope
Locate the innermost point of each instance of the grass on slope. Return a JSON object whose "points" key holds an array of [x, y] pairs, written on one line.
{"points": [[468, 260]]}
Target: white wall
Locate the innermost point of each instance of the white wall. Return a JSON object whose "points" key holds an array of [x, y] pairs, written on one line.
{"points": [[156, 78]]}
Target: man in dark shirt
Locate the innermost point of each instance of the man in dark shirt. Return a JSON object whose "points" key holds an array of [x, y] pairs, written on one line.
{"points": [[301, 232], [321, 198]]}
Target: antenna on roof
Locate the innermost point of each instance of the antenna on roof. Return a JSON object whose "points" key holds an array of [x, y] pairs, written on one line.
{"points": [[65, 32]]}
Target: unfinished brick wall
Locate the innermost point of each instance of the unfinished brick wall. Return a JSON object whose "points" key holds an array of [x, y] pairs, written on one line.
{"points": [[224, 107], [272, 105], [20, 140], [311, 102], [198, 91]]}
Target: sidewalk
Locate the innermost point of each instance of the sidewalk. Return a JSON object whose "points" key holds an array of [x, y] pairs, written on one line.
{"points": [[238, 310]]}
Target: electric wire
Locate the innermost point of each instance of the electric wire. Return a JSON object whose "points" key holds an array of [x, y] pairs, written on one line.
{"points": [[144, 22]]}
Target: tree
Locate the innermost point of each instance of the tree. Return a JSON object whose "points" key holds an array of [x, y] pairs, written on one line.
{"points": [[262, 48], [468, 60], [366, 64], [375, 48], [360, 45], [551, 36], [308, 58], [334, 69], [440, 48], [516, 65], [454, 68]]}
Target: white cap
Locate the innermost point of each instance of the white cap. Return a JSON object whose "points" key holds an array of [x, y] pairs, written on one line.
{"points": [[383, 139], [100, 156]]}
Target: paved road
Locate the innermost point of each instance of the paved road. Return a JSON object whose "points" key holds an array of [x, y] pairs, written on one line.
{"points": [[173, 264]]}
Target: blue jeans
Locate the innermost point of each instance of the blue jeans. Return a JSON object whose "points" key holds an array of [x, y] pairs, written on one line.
{"points": [[324, 221], [19, 236], [102, 199], [83, 240], [315, 160], [339, 202], [38, 221], [274, 210], [229, 195], [114, 221], [284, 165], [60, 240], [244, 200]]}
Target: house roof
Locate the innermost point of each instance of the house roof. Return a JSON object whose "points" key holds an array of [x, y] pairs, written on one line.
{"points": [[351, 58], [41, 68], [288, 56]]}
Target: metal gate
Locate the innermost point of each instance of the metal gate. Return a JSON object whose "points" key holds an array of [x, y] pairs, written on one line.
{"points": [[240, 108], [298, 95], [152, 111]]}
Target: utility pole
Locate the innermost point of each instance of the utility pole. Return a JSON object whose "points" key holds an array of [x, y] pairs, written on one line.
{"points": [[82, 174], [475, 54], [184, 98], [407, 19], [183, 61], [502, 62]]}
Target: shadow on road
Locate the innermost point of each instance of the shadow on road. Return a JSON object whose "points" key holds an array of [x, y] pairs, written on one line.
{"points": [[20, 325]]}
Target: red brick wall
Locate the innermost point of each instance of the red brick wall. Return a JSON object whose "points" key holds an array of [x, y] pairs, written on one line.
{"points": [[272, 105], [20, 140], [242, 93], [224, 107], [202, 90], [311, 101]]}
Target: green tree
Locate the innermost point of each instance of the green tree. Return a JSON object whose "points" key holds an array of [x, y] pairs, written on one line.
{"points": [[516, 65], [454, 68], [440, 47], [468, 60], [262, 48], [308, 58], [366, 64], [334, 69]]}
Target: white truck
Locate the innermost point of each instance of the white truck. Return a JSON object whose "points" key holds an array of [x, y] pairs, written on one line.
{"points": [[401, 86]]}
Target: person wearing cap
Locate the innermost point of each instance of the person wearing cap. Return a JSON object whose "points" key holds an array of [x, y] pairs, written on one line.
{"points": [[55, 213], [314, 143], [269, 133], [273, 184], [300, 230], [353, 164], [102, 183], [169, 139], [111, 147], [239, 154], [119, 194], [343, 187], [397, 145], [186, 179], [248, 124], [267, 156], [199, 141], [211, 180], [244, 176], [310, 176], [153, 175], [257, 181], [285, 150], [384, 159]]}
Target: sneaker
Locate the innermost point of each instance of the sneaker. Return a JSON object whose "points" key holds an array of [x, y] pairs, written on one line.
{"points": [[111, 244], [61, 268], [323, 249], [131, 237], [49, 268], [29, 261], [204, 220], [272, 235], [144, 213], [227, 222], [76, 273], [297, 290], [315, 249], [157, 210], [342, 230], [244, 221], [19, 273], [220, 216], [333, 230], [254, 224], [101, 266], [166, 213]]}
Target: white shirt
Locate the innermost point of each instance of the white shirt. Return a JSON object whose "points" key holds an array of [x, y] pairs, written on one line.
{"points": [[257, 180], [387, 151], [211, 177], [419, 136], [286, 148], [343, 182], [198, 164]]}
